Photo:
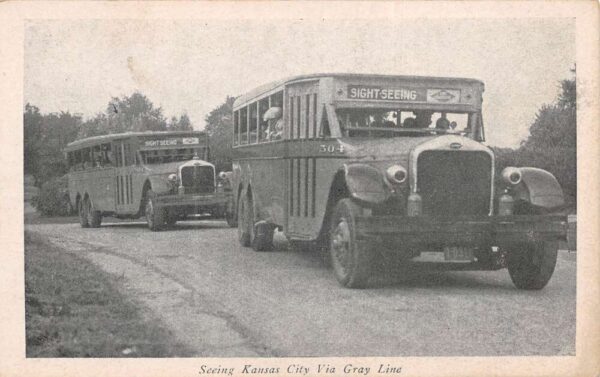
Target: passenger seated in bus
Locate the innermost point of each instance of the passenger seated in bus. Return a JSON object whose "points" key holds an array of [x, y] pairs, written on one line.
{"points": [[410, 123], [443, 123], [423, 118], [273, 117]]}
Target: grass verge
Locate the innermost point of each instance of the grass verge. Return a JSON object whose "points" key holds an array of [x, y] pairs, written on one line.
{"points": [[74, 309]]}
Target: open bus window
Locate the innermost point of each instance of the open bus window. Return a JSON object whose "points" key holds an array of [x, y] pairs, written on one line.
{"points": [[263, 106], [244, 126], [325, 130], [386, 123], [107, 155], [236, 127], [253, 126], [86, 158]]}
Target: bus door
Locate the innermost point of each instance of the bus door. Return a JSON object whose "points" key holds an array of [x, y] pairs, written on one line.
{"points": [[101, 177], [301, 108], [124, 178]]}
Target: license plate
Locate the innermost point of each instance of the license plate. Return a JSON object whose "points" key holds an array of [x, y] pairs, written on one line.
{"points": [[458, 254]]}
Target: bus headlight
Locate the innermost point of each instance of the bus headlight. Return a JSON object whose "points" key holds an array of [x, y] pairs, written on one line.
{"points": [[396, 174], [511, 175]]}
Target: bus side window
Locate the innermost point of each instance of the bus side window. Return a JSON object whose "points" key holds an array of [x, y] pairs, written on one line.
{"points": [[107, 156], [118, 155], [236, 127], [244, 126], [253, 126], [263, 106], [128, 155], [325, 130], [70, 160], [95, 156], [77, 163], [87, 158]]}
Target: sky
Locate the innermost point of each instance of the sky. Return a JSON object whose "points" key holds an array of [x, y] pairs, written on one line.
{"points": [[191, 66]]}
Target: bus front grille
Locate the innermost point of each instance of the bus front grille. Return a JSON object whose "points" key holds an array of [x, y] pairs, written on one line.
{"points": [[198, 179], [454, 182]]}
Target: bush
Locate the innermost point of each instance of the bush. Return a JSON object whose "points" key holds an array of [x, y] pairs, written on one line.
{"points": [[53, 198]]}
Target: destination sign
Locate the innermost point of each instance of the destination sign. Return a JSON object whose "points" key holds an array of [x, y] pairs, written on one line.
{"points": [[170, 142], [378, 93], [386, 94]]}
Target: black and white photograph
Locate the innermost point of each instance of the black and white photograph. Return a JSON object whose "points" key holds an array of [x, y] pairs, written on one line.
{"points": [[316, 192]]}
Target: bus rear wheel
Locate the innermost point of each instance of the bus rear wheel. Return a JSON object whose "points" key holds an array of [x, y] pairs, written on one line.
{"points": [[82, 212], [155, 216], [263, 236], [244, 228], [94, 217], [532, 267], [351, 260], [171, 218]]}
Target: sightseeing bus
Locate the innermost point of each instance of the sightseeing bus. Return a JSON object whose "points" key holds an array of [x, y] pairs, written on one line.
{"points": [[371, 166], [162, 176]]}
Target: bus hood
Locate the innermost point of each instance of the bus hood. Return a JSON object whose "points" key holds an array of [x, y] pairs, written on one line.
{"points": [[382, 149], [401, 147], [166, 168]]}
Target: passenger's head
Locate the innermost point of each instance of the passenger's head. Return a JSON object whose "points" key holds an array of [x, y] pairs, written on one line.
{"points": [[423, 118], [409, 123], [443, 123], [273, 113]]}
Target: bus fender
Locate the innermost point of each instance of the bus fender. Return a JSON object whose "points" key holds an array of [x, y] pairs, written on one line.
{"points": [[540, 188], [365, 184], [160, 185]]}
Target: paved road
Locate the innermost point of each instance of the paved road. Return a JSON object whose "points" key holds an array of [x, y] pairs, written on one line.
{"points": [[225, 300]]}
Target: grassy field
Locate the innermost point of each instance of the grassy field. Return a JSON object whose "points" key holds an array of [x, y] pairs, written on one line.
{"points": [[73, 309]]}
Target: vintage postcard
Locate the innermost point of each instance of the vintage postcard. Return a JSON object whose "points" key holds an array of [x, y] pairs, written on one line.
{"points": [[300, 189]]}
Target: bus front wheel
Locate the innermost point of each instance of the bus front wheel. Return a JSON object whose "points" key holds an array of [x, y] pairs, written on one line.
{"points": [[230, 216], [351, 261], [155, 216], [532, 266]]}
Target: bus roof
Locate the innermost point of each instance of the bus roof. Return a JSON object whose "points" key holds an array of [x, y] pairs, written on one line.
{"points": [[90, 141], [257, 92]]}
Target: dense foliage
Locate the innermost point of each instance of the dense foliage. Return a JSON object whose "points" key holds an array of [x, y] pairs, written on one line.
{"points": [[52, 199], [219, 126], [552, 142]]}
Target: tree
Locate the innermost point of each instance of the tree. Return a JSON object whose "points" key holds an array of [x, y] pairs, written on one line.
{"points": [[219, 126], [181, 124], [134, 113], [184, 123], [98, 125], [552, 141], [32, 133]]}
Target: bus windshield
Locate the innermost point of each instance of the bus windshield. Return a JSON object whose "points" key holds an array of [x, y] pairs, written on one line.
{"points": [[163, 156], [389, 123]]}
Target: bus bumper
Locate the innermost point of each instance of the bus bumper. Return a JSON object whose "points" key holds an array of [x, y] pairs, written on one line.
{"points": [[466, 230], [460, 243], [190, 203]]}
